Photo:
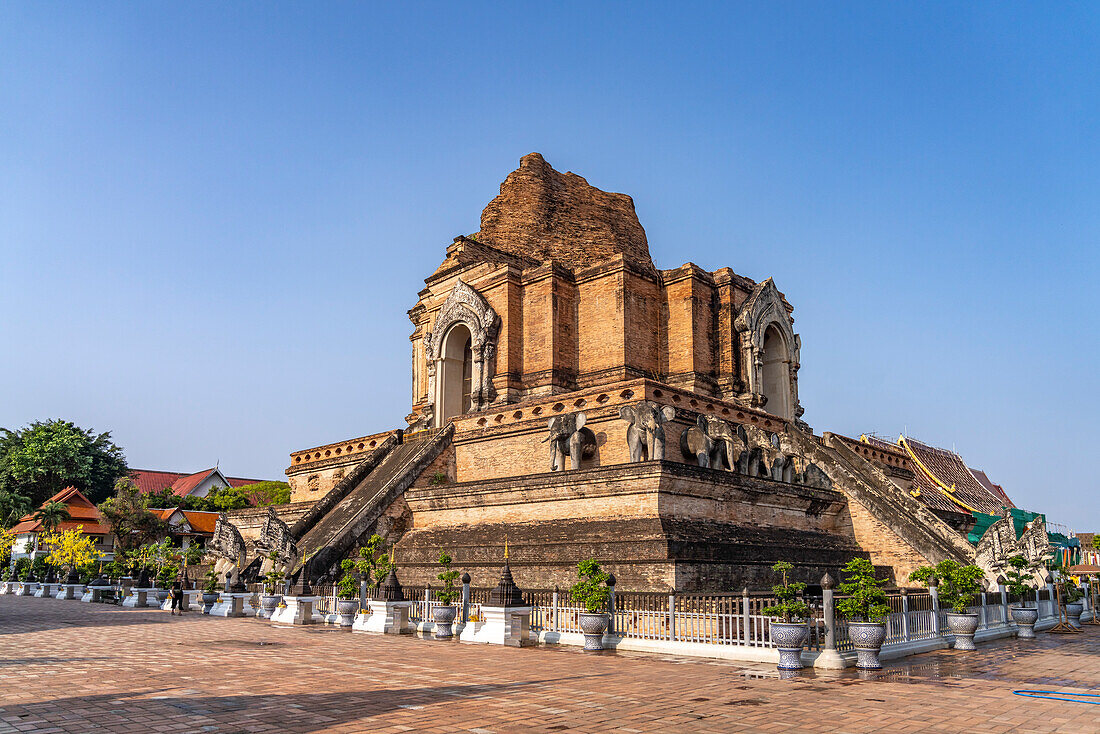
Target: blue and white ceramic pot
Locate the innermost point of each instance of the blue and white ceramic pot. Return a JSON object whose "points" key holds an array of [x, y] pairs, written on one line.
{"points": [[444, 617], [867, 637], [789, 637], [963, 626], [594, 626], [1025, 619]]}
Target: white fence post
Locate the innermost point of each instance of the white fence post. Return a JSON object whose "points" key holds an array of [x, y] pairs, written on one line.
{"points": [[672, 614], [745, 615], [554, 611], [904, 615], [1004, 604], [934, 592]]}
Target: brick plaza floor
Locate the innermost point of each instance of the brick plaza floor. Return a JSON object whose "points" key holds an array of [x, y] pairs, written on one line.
{"points": [[72, 667]]}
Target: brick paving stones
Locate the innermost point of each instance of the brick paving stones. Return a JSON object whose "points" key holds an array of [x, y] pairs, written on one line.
{"points": [[72, 667]]}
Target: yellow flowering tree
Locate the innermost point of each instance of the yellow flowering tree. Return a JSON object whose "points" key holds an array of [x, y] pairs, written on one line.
{"points": [[7, 539], [70, 549]]}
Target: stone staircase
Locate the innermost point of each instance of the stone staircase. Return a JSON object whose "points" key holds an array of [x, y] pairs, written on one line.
{"points": [[351, 510], [866, 484]]}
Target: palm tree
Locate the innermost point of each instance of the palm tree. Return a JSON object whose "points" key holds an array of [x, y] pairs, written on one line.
{"points": [[52, 514]]}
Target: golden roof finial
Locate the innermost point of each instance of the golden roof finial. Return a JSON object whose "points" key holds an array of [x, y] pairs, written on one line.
{"points": [[506, 546]]}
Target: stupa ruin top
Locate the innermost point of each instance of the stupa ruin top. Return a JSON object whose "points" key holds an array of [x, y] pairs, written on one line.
{"points": [[544, 215]]}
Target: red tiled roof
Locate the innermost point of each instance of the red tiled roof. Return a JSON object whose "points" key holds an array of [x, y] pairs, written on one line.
{"points": [[996, 489], [81, 512], [949, 468], [201, 522], [149, 481]]}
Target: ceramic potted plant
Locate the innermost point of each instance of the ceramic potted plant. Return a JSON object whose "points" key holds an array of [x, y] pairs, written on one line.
{"points": [[1074, 600], [865, 607], [957, 586], [270, 597], [347, 590], [1018, 584], [209, 591], [591, 592], [444, 614], [789, 633]]}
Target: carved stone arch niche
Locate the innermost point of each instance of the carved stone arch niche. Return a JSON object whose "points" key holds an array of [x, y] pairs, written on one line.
{"points": [[461, 354], [770, 352]]}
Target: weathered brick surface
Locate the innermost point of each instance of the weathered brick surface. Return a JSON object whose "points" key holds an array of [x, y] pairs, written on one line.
{"points": [[547, 215], [881, 543]]}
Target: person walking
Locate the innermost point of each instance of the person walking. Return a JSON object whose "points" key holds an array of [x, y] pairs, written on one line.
{"points": [[177, 598]]}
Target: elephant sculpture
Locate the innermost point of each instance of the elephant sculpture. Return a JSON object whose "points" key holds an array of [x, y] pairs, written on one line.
{"points": [[568, 435], [714, 443], [646, 433]]}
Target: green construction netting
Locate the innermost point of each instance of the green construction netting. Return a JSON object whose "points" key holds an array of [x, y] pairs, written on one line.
{"points": [[982, 521]]}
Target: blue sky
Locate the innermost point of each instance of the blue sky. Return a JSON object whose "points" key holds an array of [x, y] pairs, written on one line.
{"points": [[213, 218]]}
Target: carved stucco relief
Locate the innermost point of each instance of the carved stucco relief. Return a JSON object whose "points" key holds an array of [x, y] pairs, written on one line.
{"points": [[464, 306], [762, 310]]}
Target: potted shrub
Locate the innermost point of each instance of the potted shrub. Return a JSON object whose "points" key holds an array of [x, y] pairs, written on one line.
{"points": [[958, 585], [444, 614], [866, 610], [347, 590], [1024, 616], [1073, 597], [209, 591], [374, 564], [270, 597], [790, 633], [591, 592]]}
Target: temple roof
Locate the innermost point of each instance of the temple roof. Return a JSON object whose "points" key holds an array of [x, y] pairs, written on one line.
{"points": [[544, 215], [945, 482], [81, 513]]}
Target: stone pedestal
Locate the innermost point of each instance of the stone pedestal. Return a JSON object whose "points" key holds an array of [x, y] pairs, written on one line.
{"points": [[70, 591], [27, 588], [298, 610], [500, 626], [45, 590], [233, 605], [138, 598], [95, 593], [192, 599], [386, 617]]}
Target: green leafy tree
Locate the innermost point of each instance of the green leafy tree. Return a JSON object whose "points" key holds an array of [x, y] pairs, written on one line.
{"points": [[958, 583], [164, 498], [262, 494], [13, 506], [52, 514], [373, 561], [128, 515], [448, 593], [789, 606], [1096, 541], [1018, 582], [591, 591], [210, 582], [44, 458], [348, 585], [864, 600]]}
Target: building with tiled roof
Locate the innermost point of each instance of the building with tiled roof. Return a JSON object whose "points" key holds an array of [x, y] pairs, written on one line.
{"points": [[82, 514], [944, 478], [197, 484], [189, 526]]}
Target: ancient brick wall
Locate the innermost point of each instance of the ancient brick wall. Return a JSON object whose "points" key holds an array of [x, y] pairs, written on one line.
{"points": [[883, 545]]}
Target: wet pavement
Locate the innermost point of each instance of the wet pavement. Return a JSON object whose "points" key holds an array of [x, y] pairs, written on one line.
{"points": [[72, 667]]}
